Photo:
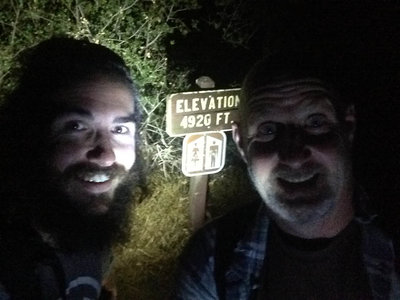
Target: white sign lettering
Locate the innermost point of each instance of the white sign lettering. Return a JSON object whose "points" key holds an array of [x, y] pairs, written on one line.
{"points": [[202, 111]]}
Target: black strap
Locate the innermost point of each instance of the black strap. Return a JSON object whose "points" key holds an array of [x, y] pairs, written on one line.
{"points": [[21, 251], [54, 263], [230, 230], [396, 245]]}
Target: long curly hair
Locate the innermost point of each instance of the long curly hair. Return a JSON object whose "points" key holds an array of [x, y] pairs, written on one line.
{"points": [[46, 69]]}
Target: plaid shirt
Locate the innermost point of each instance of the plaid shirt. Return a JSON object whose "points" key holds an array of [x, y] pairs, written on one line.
{"points": [[197, 278]]}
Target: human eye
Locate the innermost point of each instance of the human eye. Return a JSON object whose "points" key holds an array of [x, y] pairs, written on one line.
{"points": [[318, 124], [68, 127], [74, 126], [120, 129], [267, 131], [65, 128]]}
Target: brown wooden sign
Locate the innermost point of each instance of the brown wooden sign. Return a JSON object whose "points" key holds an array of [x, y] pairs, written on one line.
{"points": [[202, 111]]}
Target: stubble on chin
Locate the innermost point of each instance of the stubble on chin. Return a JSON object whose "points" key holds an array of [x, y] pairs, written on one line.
{"points": [[299, 211], [300, 208]]}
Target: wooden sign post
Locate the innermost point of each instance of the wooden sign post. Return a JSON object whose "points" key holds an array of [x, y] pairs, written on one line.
{"points": [[202, 154], [202, 116], [198, 200]]}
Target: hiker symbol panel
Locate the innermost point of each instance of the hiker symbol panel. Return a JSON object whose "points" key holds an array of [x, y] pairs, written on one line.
{"points": [[203, 153]]}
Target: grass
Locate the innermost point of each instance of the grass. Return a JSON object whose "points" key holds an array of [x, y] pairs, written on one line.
{"points": [[145, 266]]}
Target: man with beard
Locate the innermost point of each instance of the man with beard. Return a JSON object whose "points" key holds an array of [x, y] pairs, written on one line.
{"points": [[69, 164], [308, 237]]}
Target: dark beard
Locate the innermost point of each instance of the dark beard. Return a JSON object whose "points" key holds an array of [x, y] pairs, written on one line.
{"points": [[73, 228]]}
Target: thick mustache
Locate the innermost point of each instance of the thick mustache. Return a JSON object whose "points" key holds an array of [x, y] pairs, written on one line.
{"points": [[90, 168]]}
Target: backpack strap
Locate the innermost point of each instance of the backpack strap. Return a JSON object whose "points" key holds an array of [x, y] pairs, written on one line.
{"points": [[21, 251], [230, 229], [396, 246]]}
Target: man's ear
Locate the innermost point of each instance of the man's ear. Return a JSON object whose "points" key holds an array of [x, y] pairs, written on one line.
{"points": [[238, 140], [350, 122]]}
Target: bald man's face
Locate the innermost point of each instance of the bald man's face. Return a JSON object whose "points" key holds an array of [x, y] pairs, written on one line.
{"points": [[296, 150]]}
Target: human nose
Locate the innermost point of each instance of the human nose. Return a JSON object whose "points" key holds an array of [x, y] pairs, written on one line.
{"points": [[294, 150], [101, 151]]}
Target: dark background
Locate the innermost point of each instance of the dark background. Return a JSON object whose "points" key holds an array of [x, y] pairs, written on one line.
{"points": [[359, 38]]}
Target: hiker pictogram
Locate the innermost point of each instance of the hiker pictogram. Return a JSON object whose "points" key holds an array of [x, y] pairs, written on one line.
{"points": [[203, 153]]}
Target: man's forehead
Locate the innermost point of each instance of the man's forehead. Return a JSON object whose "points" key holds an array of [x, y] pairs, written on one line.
{"points": [[299, 108], [284, 89], [299, 97], [96, 94], [288, 92]]}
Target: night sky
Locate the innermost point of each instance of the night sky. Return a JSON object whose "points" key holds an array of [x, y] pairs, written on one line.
{"points": [[359, 38]]}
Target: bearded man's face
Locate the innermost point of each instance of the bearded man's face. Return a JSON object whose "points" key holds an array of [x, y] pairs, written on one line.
{"points": [[94, 144], [85, 191]]}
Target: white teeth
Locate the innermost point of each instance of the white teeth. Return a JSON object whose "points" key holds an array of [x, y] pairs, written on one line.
{"points": [[299, 179], [97, 178]]}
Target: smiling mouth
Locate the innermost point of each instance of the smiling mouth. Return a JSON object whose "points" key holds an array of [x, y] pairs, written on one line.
{"points": [[94, 177], [298, 182]]}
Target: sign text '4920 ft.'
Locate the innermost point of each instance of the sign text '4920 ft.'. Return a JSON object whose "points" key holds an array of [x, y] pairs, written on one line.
{"points": [[202, 111]]}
